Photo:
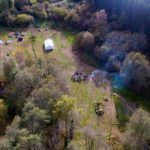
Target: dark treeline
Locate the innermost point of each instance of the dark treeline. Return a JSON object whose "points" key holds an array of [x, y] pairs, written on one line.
{"points": [[136, 11]]}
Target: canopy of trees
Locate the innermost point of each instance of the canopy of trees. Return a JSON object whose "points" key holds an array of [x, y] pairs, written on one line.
{"points": [[136, 11], [136, 73], [34, 98], [137, 136]]}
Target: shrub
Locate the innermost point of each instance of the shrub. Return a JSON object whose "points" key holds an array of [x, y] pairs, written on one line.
{"points": [[135, 73], [39, 11], [19, 4], [7, 18], [23, 19], [27, 9], [58, 13], [137, 136], [10, 20], [73, 19], [85, 41]]}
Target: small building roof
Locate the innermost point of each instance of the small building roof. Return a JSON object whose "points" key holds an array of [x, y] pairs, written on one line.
{"points": [[49, 45]]}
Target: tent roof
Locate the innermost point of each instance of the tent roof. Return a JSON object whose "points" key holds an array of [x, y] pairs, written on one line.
{"points": [[49, 42], [49, 45]]}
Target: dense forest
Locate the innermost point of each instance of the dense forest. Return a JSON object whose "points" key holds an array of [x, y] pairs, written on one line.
{"points": [[136, 12], [41, 112]]}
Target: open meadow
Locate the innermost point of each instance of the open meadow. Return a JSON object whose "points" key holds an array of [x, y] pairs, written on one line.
{"points": [[85, 92]]}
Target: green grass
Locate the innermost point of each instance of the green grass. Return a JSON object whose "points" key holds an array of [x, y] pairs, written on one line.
{"points": [[70, 36], [42, 23], [65, 61], [133, 97], [32, 40], [69, 33], [86, 98], [122, 115]]}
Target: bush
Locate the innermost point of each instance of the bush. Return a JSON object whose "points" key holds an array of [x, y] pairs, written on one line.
{"points": [[85, 41], [27, 9], [135, 73], [23, 19], [39, 11], [137, 136], [73, 19], [7, 18], [10, 20], [58, 13], [19, 4]]}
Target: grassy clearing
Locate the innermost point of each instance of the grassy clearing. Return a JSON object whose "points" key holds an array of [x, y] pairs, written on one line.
{"points": [[43, 23], [122, 115], [70, 37], [86, 93], [61, 43]]}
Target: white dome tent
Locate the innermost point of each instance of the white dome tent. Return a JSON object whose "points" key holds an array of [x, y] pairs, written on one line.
{"points": [[49, 45]]}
